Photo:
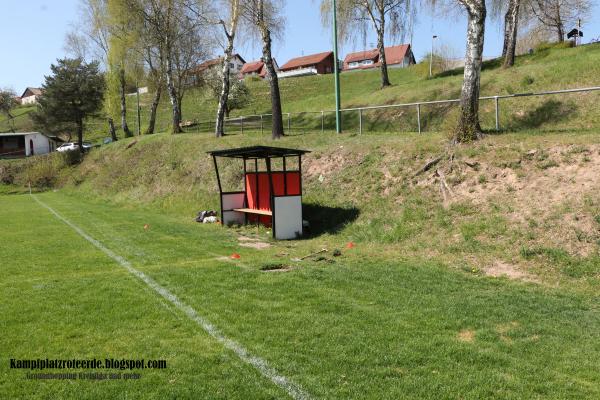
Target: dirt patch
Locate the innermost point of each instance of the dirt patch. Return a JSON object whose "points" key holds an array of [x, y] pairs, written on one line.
{"points": [[331, 162], [466, 335], [276, 268], [247, 239], [500, 268], [546, 191], [255, 245], [504, 329]]}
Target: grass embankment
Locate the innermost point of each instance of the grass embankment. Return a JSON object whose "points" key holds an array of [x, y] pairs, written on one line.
{"points": [[520, 204], [546, 69]]}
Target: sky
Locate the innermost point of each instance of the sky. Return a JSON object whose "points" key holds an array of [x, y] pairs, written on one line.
{"points": [[33, 32]]}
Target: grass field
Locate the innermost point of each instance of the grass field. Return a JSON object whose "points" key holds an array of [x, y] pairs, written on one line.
{"points": [[358, 326]]}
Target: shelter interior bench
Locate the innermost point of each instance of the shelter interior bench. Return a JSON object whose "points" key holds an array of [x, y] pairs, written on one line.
{"points": [[272, 193]]}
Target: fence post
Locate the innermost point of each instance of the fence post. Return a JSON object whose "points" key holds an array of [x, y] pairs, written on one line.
{"points": [[261, 124], [289, 122], [322, 121], [419, 117], [360, 129], [242, 123], [497, 113]]}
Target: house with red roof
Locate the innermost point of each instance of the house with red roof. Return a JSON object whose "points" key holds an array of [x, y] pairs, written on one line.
{"points": [[194, 75], [257, 68], [313, 64], [395, 56]]}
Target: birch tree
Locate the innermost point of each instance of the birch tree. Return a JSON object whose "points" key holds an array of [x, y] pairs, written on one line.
{"points": [[389, 19], [123, 36], [264, 16], [468, 127], [229, 25], [177, 36], [511, 26]]}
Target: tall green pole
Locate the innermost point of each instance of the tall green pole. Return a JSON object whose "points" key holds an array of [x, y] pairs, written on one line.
{"points": [[336, 69]]}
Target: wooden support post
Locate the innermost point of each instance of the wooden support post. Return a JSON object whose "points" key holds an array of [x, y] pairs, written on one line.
{"points": [[271, 194], [497, 113], [419, 117], [360, 126]]}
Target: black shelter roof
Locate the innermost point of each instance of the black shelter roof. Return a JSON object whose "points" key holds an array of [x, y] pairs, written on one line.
{"points": [[253, 152]]}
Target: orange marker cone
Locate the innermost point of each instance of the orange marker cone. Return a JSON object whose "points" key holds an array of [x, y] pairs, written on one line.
{"points": [[350, 245], [235, 256]]}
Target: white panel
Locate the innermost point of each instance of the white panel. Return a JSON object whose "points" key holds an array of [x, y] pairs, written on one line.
{"points": [[233, 200], [288, 217], [233, 218]]}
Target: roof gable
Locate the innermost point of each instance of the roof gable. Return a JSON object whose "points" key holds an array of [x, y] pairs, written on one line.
{"points": [[393, 55], [362, 55], [31, 91], [306, 61], [254, 66]]}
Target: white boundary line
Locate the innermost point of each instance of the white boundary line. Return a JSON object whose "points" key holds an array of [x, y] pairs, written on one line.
{"points": [[294, 390]]}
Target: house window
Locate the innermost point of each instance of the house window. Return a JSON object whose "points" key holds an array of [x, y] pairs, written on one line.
{"points": [[367, 62], [353, 64], [231, 65]]}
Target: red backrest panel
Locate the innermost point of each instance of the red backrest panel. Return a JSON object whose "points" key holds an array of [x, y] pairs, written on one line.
{"points": [[264, 194]]}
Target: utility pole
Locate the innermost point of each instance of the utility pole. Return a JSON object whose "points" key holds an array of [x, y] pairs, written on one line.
{"points": [[431, 56], [137, 92], [338, 114]]}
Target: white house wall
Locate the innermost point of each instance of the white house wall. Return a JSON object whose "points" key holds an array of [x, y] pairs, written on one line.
{"points": [[41, 144], [29, 100]]}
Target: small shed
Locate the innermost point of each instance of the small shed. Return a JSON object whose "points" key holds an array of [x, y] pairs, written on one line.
{"points": [[271, 195], [25, 144]]}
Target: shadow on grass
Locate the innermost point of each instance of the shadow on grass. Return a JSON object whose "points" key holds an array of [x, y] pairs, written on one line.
{"points": [[548, 112], [324, 219], [486, 65]]}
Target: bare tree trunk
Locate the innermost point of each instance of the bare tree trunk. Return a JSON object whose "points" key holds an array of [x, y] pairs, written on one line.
{"points": [[511, 22], [111, 130], [277, 130], [385, 80], [176, 113], [221, 111], [153, 108], [80, 134], [560, 33], [122, 82], [468, 128]]}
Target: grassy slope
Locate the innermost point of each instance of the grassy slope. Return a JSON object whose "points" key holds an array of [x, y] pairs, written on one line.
{"points": [[361, 327], [545, 70]]}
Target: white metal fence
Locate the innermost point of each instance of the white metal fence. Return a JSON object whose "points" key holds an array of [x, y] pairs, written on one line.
{"points": [[258, 121]]}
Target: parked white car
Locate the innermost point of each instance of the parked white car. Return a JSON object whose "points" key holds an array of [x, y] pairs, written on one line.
{"points": [[70, 146]]}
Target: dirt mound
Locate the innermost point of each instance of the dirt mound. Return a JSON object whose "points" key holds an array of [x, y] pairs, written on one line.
{"points": [[331, 162], [552, 192]]}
